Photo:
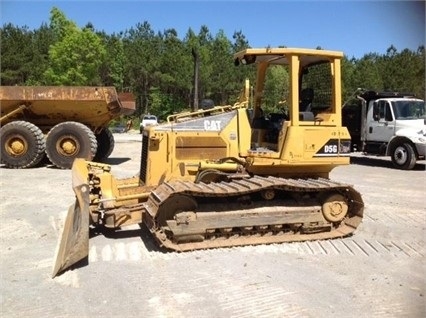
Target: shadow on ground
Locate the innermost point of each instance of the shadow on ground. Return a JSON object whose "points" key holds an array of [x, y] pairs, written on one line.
{"points": [[380, 162], [142, 232], [115, 161]]}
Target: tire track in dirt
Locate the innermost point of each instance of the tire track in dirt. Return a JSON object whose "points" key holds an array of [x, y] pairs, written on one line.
{"points": [[245, 299], [136, 251]]}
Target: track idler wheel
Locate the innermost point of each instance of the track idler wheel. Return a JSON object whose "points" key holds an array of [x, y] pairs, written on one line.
{"points": [[268, 194], [335, 208], [175, 208], [180, 209]]}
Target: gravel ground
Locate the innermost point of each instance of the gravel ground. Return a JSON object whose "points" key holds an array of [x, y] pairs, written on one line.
{"points": [[378, 272]]}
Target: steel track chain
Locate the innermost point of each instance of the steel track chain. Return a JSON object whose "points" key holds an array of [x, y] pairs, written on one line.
{"points": [[249, 186]]}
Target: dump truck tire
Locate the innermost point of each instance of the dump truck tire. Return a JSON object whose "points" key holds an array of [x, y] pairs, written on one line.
{"points": [[105, 141], [69, 140], [22, 145], [403, 156]]}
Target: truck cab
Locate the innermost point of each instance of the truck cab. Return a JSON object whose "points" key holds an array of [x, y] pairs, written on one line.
{"points": [[148, 120], [389, 124]]}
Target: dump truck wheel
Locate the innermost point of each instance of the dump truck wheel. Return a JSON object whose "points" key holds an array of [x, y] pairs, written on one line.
{"points": [[69, 140], [22, 144], [403, 156], [105, 141]]}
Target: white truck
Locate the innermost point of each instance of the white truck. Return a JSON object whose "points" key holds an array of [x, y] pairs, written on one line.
{"points": [[148, 120], [388, 124]]}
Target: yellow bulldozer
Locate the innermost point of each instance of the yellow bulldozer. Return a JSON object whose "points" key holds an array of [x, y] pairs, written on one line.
{"points": [[232, 175]]}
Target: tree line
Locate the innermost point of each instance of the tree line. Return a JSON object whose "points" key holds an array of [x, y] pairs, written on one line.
{"points": [[159, 67]]}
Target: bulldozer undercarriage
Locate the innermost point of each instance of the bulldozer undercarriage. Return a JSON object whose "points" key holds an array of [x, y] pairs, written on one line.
{"points": [[186, 216]]}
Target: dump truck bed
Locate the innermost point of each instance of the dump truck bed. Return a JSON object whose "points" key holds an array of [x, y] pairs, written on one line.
{"points": [[46, 106]]}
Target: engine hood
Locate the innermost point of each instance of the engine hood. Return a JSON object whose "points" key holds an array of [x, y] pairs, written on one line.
{"points": [[411, 128]]}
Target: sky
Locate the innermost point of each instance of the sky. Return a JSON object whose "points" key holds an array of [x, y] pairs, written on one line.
{"points": [[354, 27]]}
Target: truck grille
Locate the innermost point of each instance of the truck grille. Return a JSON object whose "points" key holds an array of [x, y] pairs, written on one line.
{"points": [[144, 159]]}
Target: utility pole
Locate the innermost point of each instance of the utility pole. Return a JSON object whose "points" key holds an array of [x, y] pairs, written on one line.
{"points": [[196, 67]]}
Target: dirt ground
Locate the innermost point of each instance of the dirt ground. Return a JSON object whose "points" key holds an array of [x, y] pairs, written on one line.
{"points": [[380, 271]]}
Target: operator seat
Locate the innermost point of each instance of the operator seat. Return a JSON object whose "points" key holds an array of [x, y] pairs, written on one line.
{"points": [[306, 98], [305, 105]]}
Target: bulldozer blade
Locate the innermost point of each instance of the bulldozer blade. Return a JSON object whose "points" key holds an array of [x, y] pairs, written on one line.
{"points": [[74, 242]]}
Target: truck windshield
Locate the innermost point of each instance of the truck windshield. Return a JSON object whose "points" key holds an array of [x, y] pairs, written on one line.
{"points": [[409, 109]]}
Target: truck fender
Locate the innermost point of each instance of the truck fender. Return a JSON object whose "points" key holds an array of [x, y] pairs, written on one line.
{"points": [[398, 140]]}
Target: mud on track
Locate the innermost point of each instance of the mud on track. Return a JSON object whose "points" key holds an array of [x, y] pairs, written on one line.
{"points": [[378, 272]]}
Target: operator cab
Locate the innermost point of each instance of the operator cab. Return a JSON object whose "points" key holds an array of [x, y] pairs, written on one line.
{"points": [[294, 87]]}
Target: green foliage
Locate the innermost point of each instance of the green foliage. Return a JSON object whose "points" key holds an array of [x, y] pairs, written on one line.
{"points": [[112, 69], [75, 58], [60, 25], [12, 55], [163, 105], [348, 78], [158, 67], [399, 69], [276, 90], [224, 86], [367, 72]]}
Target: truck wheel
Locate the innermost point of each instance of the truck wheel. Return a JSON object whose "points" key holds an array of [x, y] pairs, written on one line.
{"points": [[105, 141], [69, 140], [22, 144], [403, 156]]}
